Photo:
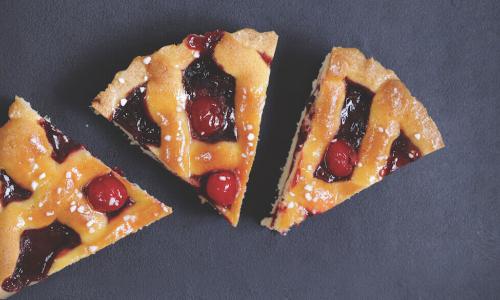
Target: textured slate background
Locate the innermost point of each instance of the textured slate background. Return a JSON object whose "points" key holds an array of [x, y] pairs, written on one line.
{"points": [[430, 231]]}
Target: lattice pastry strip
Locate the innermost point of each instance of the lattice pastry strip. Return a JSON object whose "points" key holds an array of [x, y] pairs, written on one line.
{"points": [[48, 213], [200, 103], [351, 136]]}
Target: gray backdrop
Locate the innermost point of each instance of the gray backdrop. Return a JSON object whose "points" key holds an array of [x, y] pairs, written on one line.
{"points": [[430, 230]]}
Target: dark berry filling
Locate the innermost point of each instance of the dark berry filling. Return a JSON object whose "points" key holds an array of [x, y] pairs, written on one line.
{"points": [[62, 146], [106, 193], [10, 191], [267, 59], [210, 90], [220, 187], [38, 250], [302, 135], [403, 151], [296, 178], [206, 42], [134, 117], [340, 158], [305, 128]]}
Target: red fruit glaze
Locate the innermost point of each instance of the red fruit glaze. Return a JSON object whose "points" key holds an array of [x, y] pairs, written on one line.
{"points": [[222, 187], [212, 120], [38, 248], [403, 152], [195, 41], [207, 116], [204, 42], [353, 123], [267, 59], [341, 158], [106, 193]]}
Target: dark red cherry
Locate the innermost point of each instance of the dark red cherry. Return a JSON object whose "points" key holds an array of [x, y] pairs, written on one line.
{"points": [[204, 42], [222, 187], [341, 158], [207, 116], [196, 42], [106, 193]]}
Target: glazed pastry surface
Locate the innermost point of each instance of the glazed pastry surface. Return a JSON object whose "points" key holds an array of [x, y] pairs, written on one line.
{"points": [[240, 66], [44, 176], [393, 114]]}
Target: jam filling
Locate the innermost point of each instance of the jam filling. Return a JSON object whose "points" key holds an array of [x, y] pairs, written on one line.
{"points": [[10, 191], [305, 129], [353, 123], [403, 151], [38, 250], [134, 117], [266, 58], [204, 43], [210, 90], [62, 146]]}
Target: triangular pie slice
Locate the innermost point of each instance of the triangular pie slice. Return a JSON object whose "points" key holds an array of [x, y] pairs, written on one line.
{"points": [[196, 107], [360, 124], [58, 203]]}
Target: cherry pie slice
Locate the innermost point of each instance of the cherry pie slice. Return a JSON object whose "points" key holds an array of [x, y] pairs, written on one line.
{"points": [[196, 107], [58, 203], [360, 124]]}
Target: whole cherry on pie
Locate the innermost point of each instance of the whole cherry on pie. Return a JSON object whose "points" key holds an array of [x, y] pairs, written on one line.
{"points": [[207, 116], [222, 187], [341, 158], [106, 193]]}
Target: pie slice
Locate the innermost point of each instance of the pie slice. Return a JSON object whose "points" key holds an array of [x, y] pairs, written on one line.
{"points": [[360, 124], [196, 107], [58, 204]]}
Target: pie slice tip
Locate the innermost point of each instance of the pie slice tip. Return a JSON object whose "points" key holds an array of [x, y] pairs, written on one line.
{"points": [[196, 107], [58, 203], [360, 124]]}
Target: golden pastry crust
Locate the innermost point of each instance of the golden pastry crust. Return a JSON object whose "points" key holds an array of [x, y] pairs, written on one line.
{"points": [[393, 110], [240, 54], [57, 194]]}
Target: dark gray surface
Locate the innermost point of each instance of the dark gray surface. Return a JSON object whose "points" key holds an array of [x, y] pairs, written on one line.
{"points": [[432, 230]]}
